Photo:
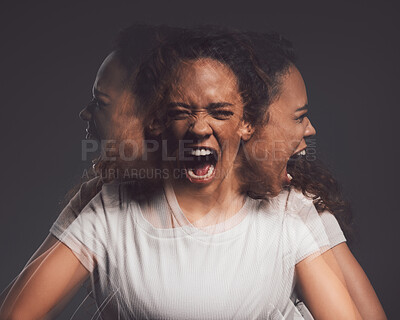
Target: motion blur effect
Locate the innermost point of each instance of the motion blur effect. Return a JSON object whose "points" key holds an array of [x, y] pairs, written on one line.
{"points": [[206, 201]]}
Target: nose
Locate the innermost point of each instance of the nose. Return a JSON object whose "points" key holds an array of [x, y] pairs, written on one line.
{"points": [[310, 130], [85, 114], [200, 128]]}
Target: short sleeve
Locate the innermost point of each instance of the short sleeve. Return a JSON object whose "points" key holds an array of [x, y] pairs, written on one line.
{"points": [[313, 238], [308, 232], [72, 210], [90, 234], [332, 229]]}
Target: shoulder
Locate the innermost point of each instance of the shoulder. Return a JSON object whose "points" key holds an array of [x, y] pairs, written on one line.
{"points": [[291, 202], [102, 213], [290, 209], [89, 188], [301, 218], [323, 223], [112, 195], [72, 210], [81, 198], [121, 196]]}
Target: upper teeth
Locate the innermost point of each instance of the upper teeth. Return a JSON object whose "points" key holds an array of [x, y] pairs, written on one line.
{"points": [[200, 152], [302, 152]]}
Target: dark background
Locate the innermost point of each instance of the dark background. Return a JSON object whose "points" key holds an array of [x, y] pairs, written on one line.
{"points": [[348, 55]]}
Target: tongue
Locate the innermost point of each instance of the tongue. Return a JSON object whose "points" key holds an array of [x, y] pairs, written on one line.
{"points": [[201, 170]]}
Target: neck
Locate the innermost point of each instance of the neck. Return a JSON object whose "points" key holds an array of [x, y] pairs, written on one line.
{"points": [[198, 200]]}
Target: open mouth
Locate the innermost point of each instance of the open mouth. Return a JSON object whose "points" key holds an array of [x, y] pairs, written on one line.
{"points": [[200, 163], [298, 155], [291, 162]]}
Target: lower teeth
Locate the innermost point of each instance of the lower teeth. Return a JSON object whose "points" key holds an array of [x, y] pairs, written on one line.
{"points": [[207, 175]]}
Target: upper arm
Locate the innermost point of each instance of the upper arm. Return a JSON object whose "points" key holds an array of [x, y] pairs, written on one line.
{"points": [[359, 287], [44, 248], [47, 244], [325, 295], [43, 284]]}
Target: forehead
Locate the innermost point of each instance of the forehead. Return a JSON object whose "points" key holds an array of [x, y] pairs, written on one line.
{"points": [[203, 81], [293, 92], [111, 75]]}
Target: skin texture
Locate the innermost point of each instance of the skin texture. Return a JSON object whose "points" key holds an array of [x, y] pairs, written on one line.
{"points": [[110, 115], [284, 135], [357, 282], [205, 108], [50, 278], [285, 132], [324, 294], [44, 284], [350, 272]]}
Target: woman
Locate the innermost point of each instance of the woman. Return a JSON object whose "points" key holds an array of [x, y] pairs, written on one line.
{"points": [[111, 116], [280, 146], [212, 104]]}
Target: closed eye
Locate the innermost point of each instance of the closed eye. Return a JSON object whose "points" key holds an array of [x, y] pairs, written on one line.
{"points": [[97, 103], [221, 114], [301, 118]]}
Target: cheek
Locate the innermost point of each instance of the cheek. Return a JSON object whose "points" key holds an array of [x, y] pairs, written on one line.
{"points": [[101, 125], [261, 146], [226, 128], [227, 135], [297, 137], [113, 127], [278, 141], [107, 120], [287, 137], [275, 145]]}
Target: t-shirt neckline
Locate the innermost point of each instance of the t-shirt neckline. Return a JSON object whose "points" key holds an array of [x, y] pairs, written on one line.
{"points": [[188, 230]]}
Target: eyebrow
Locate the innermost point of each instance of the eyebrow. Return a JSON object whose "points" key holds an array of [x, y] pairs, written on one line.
{"points": [[217, 105], [213, 105], [305, 107], [97, 92]]}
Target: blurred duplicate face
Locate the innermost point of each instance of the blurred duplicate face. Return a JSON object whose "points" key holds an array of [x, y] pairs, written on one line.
{"points": [[205, 122], [111, 115], [283, 136]]}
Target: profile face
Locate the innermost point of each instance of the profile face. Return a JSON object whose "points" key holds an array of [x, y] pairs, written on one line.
{"points": [[110, 115], [204, 126], [283, 136]]}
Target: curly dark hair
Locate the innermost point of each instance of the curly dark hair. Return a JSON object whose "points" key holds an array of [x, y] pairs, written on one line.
{"points": [[315, 180], [275, 55], [260, 62], [131, 46], [311, 176], [134, 44], [227, 46]]}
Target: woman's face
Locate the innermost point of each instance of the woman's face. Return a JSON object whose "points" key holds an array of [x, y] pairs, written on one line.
{"points": [[205, 125], [110, 115], [284, 134]]}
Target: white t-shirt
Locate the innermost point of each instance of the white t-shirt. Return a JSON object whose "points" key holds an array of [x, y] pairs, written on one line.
{"points": [[153, 263], [86, 192]]}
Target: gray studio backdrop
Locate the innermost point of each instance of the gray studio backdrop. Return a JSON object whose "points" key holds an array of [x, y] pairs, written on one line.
{"points": [[348, 54]]}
